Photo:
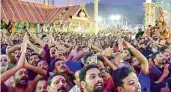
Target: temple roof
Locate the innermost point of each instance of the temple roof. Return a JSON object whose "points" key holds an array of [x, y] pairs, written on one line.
{"points": [[17, 11]]}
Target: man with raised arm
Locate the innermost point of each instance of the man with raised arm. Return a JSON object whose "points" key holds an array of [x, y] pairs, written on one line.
{"points": [[20, 74]]}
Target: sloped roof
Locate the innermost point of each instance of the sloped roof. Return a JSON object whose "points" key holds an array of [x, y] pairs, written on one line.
{"points": [[17, 11]]}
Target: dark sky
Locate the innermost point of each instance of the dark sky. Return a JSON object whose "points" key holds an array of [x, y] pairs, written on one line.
{"points": [[107, 2], [133, 9]]}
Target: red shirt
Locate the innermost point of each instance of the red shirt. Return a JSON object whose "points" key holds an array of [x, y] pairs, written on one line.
{"points": [[109, 85]]}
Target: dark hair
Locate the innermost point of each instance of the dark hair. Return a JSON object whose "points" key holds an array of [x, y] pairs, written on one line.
{"points": [[51, 77], [162, 49], [42, 79], [56, 60], [153, 56], [42, 60], [99, 57], [120, 74], [83, 71], [111, 57], [32, 54], [53, 46], [88, 55]]}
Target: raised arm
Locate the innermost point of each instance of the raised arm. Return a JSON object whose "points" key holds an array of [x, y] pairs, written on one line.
{"points": [[10, 51], [6, 75], [70, 46], [36, 49], [8, 39], [141, 58], [35, 69], [109, 63], [96, 48], [38, 40], [33, 83], [165, 73]]}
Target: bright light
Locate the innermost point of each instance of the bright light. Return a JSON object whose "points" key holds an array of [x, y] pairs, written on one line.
{"points": [[148, 1], [99, 18], [115, 17]]}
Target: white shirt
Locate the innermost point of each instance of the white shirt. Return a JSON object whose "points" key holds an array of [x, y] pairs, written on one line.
{"points": [[75, 89]]}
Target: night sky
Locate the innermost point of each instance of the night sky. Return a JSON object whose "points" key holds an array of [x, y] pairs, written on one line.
{"points": [[133, 9], [107, 2]]}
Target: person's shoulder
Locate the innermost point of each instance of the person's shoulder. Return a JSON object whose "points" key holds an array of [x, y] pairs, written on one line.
{"points": [[5, 88]]}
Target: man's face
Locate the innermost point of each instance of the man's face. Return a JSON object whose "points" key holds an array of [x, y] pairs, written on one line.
{"points": [[53, 51], [93, 81], [42, 86], [17, 54], [4, 64], [160, 58], [43, 64], [21, 77], [136, 64], [126, 55], [86, 49], [130, 84], [60, 66], [76, 75], [34, 60], [167, 55], [8, 47], [58, 84], [78, 48]]}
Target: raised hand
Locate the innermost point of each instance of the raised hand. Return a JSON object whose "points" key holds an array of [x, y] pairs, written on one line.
{"points": [[26, 65], [25, 37], [126, 44], [20, 63], [166, 70], [120, 45], [24, 44], [165, 89]]}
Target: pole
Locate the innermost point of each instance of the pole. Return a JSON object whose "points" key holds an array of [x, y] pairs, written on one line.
{"points": [[46, 2], [95, 16]]}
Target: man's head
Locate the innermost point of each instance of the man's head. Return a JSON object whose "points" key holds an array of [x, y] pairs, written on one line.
{"points": [[126, 55], [53, 51], [77, 78], [42, 86], [17, 54], [78, 47], [34, 58], [57, 83], [7, 48], [167, 56], [159, 58], [60, 66], [135, 63], [91, 79], [126, 80], [21, 77], [43, 64], [4, 63]]}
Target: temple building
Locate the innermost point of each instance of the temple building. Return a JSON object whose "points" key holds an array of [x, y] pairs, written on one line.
{"points": [[18, 11]]}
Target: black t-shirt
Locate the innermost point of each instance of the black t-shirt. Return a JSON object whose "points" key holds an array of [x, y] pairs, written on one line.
{"points": [[31, 75], [155, 73]]}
